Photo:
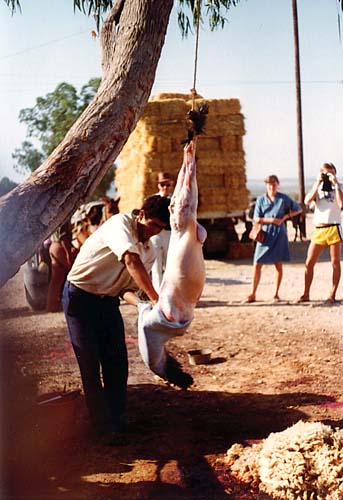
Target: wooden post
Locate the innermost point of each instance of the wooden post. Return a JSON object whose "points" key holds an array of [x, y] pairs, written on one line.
{"points": [[301, 179]]}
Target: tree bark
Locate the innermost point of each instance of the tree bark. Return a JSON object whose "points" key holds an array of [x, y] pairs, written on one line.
{"points": [[33, 210]]}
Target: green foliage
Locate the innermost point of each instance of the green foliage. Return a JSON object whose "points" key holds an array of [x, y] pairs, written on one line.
{"points": [[6, 185], [28, 158], [214, 11], [211, 9], [13, 5], [189, 11], [105, 184], [97, 8], [49, 121]]}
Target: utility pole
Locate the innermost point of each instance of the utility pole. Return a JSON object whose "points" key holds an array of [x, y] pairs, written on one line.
{"points": [[301, 179]]}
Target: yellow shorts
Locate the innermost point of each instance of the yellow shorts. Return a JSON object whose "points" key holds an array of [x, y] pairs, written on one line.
{"points": [[328, 235]]}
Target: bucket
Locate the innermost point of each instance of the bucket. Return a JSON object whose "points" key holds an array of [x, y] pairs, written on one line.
{"points": [[56, 413], [199, 356]]}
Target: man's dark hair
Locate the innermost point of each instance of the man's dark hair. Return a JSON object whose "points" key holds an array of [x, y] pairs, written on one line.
{"points": [[156, 207]]}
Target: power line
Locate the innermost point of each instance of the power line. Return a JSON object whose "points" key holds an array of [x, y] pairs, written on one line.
{"points": [[248, 82], [51, 42]]}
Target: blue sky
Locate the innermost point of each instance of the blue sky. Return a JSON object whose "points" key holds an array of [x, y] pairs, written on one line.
{"points": [[251, 59]]}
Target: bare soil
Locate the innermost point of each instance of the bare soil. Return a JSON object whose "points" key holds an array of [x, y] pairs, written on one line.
{"points": [[272, 365]]}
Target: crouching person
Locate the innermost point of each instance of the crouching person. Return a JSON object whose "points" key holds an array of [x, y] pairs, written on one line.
{"points": [[113, 262]]}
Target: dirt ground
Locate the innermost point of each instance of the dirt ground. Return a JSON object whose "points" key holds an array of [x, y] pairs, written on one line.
{"points": [[272, 365]]}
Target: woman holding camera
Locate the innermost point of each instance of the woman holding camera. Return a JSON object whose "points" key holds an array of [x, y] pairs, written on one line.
{"points": [[272, 210], [327, 196]]}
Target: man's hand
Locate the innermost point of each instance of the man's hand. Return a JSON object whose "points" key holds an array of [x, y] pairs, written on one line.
{"points": [[136, 269], [332, 178]]}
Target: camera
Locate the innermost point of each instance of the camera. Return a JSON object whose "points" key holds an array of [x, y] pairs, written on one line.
{"points": [[327, 186]]}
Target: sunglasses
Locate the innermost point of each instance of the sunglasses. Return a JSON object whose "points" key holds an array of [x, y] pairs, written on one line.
{"points": [[165, 184]]}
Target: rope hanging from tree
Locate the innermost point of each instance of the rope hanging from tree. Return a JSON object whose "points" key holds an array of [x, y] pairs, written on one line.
{"points": [[196, 118], [193, 90]]}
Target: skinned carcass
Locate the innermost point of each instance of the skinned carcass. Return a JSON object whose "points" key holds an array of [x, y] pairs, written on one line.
{"points": [[183, 280]]}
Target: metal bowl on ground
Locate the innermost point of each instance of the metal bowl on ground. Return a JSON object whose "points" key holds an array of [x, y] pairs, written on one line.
{"points": [[199, 356]]}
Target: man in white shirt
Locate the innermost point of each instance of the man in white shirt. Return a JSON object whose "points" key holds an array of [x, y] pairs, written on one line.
{"points": [[327, 195], [165, 183], [113, 263]]}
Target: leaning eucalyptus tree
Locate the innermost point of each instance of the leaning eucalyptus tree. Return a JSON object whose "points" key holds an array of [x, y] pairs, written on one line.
{"points": [[132, 36]]}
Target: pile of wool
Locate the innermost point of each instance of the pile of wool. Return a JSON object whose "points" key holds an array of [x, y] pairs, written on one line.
{"points": [[303, 462]]}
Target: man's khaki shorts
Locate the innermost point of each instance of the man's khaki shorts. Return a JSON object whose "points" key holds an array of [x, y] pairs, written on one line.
{"points": [[327, 235]]}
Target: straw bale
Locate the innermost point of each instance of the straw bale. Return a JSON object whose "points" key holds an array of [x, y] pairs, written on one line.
{"points": [[211, 157], [169, 95], [225, 125], [129, 203], [235, 181], [231, 142], [155, 145], [152, 109], [204, 168], [140, 147], [235, 157], [211, 180], [209, 143], [176, 143], [164, 145], [153, 158], [219, 107], [218, 157], [166, 128], [174, 108], [212, 196], [165, 110]]}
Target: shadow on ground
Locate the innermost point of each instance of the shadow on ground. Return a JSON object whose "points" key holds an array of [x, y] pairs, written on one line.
{"points": [[298, 251], [175, 436]]}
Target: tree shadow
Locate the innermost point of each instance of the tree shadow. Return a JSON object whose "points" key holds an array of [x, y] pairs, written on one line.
{"points": [[203, 304], [173, 440], [225, 281], [298, 253]]}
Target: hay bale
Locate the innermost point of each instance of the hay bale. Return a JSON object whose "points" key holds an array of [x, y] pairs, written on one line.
{"points": [[155, 145], [172, 95], [220, 107], [303, 462]]}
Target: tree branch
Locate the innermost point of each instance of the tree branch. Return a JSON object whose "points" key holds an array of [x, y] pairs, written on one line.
{"points": [[33, 210]]}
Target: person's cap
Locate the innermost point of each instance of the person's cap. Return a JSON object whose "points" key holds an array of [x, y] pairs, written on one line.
{"points": [[91, 204], [164, 177], [79, 215]]}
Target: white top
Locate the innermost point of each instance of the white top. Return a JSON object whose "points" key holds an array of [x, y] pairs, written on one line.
{"points": [[98, 268], [326, 210]]}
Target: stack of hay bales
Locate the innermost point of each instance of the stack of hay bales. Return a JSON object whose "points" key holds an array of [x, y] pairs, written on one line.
{"points": [[155, 145]]}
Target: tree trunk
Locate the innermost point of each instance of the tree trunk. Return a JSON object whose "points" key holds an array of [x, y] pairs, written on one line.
{"points": [[131, 50]]}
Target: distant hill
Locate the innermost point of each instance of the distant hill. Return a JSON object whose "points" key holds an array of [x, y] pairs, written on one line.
{"points": [[287, 185]]}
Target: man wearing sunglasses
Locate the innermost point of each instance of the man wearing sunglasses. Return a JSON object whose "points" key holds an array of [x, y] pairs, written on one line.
{"points": [[165, 184]]}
